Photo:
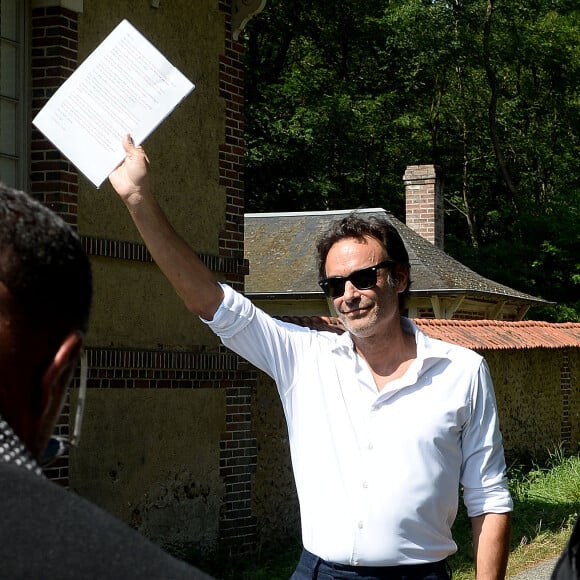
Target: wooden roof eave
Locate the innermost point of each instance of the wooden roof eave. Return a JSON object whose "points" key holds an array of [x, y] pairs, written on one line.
{"points": [[486, 295]]}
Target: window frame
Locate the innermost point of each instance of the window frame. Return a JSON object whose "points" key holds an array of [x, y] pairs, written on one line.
{"points": [[22, 125]]}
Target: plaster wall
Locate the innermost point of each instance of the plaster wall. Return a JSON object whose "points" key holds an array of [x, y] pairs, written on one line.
{"points": [[158, 470], [302, 307], [184, 148], [135, 305], [274, 498], [184, 152]]}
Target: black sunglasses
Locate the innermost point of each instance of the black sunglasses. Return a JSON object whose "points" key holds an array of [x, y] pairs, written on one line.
{"points": [[362, 279]]}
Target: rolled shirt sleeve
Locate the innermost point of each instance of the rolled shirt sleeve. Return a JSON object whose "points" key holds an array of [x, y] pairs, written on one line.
{"points": [[483, 476]]}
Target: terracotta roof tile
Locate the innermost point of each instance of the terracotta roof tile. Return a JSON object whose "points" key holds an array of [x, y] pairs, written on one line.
{"points": [[476, 334]]}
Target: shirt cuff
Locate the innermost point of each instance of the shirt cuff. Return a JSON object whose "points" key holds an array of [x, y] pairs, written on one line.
{"points": [[233, 314], [496, 499]]}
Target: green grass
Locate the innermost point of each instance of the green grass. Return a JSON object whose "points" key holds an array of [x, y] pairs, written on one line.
{"points": [[546, 502]]}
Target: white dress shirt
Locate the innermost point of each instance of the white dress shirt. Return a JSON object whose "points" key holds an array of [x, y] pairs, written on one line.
{"points": [[377, 473]]}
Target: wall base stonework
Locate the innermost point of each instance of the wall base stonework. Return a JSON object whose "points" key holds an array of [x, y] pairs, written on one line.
{"points": [[167, 445]]}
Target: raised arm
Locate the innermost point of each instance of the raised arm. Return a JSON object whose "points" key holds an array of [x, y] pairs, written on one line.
{"points": [[192, 280]]}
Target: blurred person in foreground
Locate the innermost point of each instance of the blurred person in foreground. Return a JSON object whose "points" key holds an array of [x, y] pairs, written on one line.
{"points": [[385, 424], [568, 564], [45, 296]]}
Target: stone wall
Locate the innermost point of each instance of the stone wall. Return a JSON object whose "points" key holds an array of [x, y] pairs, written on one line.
{"points": [[528, 387], [275, 502]]}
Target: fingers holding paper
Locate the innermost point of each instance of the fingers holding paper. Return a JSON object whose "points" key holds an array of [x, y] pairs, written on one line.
{"points": [[131, 177]]}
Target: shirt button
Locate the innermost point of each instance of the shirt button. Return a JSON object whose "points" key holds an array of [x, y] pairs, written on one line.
{"points": [[360, 525], [370, 447], [365, 484]]}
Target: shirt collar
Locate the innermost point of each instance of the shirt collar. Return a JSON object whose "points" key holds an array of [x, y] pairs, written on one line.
{"points": [[344, 342], [12, 450], [427, 348]]}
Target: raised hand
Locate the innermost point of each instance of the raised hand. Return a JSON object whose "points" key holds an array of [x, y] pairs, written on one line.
{"points": [[131, 177]]}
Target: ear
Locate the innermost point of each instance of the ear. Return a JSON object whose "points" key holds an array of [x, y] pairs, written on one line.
{"points": [[54, 382], [59, 372], [401, 276]]}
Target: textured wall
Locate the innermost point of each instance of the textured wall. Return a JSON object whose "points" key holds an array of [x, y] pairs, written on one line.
{"points": [[151, 457], [184, 152], [184, 148], [135, 305], [527, 386], [275, 503]]}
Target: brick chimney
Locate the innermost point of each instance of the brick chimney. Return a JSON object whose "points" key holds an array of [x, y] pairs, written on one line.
{"points": [[424, 202]]}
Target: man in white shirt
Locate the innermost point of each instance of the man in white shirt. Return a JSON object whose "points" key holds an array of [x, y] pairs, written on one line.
{"points": [[385, 424]]}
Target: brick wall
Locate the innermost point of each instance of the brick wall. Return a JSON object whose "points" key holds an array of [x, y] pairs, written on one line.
{"points": [[54, 180], [238, 447], [231, 154], [566, 391]]}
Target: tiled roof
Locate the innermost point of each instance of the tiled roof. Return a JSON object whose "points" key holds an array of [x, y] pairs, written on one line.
{"points": [[280, 248], [497, 334], [476, 334]]}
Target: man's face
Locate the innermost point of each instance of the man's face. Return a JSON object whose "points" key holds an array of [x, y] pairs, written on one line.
{"points": [[363, 312]]}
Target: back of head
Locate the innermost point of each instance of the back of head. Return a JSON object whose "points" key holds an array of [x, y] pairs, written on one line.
{"points": [[358, 226], [43, 266]]}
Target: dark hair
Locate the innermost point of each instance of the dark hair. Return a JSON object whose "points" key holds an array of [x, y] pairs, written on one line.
{"points": [[43, 264], [355, 225]]}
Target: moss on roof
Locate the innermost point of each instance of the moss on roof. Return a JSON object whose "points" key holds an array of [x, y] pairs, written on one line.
{"points": [[280, 248]]}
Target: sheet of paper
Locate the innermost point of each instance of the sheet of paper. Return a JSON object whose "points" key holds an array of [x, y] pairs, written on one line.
{"points": [[124, 86]]}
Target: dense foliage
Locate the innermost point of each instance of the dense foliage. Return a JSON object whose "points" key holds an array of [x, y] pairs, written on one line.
{"points": [[342, 96]]}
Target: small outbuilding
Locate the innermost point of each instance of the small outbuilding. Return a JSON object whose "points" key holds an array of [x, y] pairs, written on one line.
{"points": [[283, 276]]}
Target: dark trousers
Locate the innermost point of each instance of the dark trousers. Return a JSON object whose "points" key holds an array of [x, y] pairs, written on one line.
{"points": [[312, 567]]}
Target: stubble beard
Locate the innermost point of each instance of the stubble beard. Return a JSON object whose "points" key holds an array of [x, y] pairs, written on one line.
{"points": [[363, 326]]}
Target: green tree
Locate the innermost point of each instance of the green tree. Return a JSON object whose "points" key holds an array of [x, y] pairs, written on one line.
{"points": [[342, 96]]}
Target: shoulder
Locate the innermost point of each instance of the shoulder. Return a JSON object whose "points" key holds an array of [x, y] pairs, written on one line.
{"points": [[429, 347]]}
